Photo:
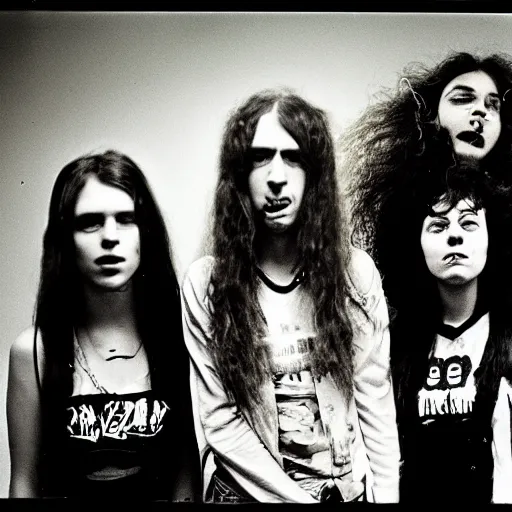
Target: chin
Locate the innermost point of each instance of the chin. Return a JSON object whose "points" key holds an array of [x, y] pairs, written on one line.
{"points": [[457, 280], [113, 286], [277, 227], [470, 155]]}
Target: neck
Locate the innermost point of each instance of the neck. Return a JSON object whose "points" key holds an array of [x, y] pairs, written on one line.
{"points": [[277, 257], [109, 308], [469, 162], [458, 302]]}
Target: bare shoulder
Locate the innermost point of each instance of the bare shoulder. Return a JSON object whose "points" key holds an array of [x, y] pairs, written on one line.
{"points": [[362, 271], [22, 349]]}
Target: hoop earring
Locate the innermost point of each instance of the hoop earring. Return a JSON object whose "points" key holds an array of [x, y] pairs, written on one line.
{"points": [[419, 103]]}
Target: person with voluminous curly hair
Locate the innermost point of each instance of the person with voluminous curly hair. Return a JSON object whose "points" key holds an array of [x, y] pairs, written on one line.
{"points": [[98, 400], [461, 106], [286, 324], [431, 163]]}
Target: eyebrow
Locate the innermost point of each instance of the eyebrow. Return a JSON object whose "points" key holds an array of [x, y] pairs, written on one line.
{"points": [[468, 210], [102, 214], [272, 150], [269, 153], [466, 88], [463, 211], [438, 216]]}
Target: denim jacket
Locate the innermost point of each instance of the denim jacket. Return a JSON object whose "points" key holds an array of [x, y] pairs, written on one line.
{"points": [[246, 442]]}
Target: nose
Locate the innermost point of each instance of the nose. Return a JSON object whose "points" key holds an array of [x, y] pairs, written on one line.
{"points": [[276, 177], [480, 108], [455, 234], [110, 237], [454, 240]]}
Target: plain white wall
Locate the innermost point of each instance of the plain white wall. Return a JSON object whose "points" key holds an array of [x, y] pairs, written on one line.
{"points": [[159, 87]]}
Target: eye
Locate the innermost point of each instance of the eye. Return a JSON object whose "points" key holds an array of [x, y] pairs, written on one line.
{"points": [[462, 98], [126, 218], [89, 222], [292, 157], [259, 157], [437, 227], [469, 225]]}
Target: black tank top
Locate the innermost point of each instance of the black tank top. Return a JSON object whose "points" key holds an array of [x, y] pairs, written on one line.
{"points": [[118, 443]]}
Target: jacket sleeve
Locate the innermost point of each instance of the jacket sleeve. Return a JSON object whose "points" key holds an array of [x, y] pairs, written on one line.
{"points": [[502, 446], [372, 382], [225, 429]]}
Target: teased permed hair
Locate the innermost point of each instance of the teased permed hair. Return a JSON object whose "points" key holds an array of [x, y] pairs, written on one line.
{"points": [[323, 250], [386, 146]]}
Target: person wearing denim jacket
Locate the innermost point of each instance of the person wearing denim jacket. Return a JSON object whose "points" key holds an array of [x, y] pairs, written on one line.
{"points": [[347, 446]]}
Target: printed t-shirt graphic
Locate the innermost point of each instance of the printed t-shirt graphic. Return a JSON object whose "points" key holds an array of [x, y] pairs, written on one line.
{"points": [[117, 419], [111, 434], [311, 456], [449, 387]]}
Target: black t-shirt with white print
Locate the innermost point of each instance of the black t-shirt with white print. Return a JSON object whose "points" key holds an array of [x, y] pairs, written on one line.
{"points": [[447, 445]]}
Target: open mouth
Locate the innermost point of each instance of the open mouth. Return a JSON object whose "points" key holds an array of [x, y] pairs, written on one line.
{"points": [[276, 205], [471, 137], [108, 260]]}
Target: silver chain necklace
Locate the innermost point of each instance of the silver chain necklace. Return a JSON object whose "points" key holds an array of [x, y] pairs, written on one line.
{"points": [[82, 361]]}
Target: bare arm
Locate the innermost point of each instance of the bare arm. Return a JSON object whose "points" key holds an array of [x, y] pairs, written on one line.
{"points": [[23, 416]]}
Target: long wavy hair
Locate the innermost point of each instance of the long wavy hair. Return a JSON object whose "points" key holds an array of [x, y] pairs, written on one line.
{"points": [[397, 137], [60, 302], [237, 321]]}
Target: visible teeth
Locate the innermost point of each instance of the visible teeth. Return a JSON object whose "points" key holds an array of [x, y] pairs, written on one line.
{"points": [[275, 205]]}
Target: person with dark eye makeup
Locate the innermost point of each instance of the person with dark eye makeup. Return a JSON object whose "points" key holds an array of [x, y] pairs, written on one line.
{"points": [[427, 164], [457, 111], [98, 399], [286, 324]]}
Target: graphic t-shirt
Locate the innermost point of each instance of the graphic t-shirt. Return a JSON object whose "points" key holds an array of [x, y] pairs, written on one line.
{"points": [[448, 449], [449, 388], [311, 456]]}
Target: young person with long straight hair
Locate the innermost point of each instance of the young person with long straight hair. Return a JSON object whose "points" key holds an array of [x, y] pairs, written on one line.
{"points": [[286, 323], [98, 400]]}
